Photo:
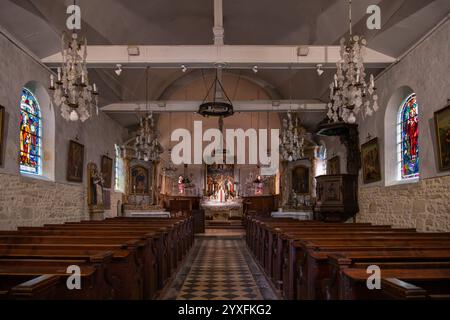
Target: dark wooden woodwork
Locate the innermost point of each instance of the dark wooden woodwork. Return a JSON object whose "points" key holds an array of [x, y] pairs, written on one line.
{"points": [[260, 205], [337, 197], [318, 260], [120, 258]]}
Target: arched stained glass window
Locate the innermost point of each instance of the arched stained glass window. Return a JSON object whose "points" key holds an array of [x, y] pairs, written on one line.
{"points": [[408, 139], [30, 134]]}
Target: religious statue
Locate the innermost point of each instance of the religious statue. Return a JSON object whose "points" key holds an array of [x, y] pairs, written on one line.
{"points": [[181, 185], [97, 182], [95, 189], [259, 185]]}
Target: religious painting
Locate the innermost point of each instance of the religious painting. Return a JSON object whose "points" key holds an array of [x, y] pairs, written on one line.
{"points": [[370, 154], [442, 124], [220, 184], [75, 162], [139, 180], [300, 180], [107, 167], [409, 135], [334, 165], [2, 124]]}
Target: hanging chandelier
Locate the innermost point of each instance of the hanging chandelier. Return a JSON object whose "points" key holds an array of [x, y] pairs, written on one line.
{"points": [[220, 105], [292, 139], [169, 169], [147, 146], [73, 92], [350, 94]]}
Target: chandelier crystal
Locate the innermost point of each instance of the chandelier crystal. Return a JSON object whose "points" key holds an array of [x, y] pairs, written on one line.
{"points": [[292, 139], [350, 93], [147, 146], [170, 170], [73, 92]]}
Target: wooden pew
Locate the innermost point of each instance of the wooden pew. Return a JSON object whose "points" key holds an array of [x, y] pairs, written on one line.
{"points": [[39, 279], [294, 255], [123, 271], [432, 283], [138, 248], [339, 285]]}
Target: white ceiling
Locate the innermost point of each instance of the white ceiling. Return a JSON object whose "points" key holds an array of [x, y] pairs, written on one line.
{"points": [[39, 23]]}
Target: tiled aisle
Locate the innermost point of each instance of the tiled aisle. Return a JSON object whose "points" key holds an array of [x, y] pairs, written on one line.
{"points": [[220, 268]]}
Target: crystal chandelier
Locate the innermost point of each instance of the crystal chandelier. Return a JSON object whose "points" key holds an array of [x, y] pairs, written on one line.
{"points": [[169, 169], [350, 94], [72, 91], [147, 146], [292, 139]]}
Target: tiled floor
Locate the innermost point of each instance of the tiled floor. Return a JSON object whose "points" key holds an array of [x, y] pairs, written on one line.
{"points": [[220, 268]]}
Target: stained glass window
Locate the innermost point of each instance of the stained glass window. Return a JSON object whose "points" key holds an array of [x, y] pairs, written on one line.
{"points": [[408, 138], [30, 134]]}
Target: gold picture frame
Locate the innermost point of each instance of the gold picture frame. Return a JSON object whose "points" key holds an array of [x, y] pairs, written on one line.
{"points": [[370, 160], [442, 128], [2, 124]]}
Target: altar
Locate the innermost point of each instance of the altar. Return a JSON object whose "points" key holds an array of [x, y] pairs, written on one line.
{"points": [[229, 210]]}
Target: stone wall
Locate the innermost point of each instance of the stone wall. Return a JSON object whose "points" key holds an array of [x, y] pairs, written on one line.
{"points": [[26, 201], [33, 202], [424, 205]]}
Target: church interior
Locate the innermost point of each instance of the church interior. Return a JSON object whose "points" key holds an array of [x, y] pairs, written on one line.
{"points": [[224, 150]]}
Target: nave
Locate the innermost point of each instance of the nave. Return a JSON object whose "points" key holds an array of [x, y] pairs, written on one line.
{"points": [[220, 268], [173, 150]]}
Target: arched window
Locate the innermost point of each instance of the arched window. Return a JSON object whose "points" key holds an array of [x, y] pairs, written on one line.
{"points": [[119, 181], [408, 139], [30, 134]]}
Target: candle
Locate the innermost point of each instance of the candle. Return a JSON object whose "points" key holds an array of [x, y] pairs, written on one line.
{"points": [[335, 81], [59, 74], [95, 87], [82, 78], [52, 81], [357, 76]]}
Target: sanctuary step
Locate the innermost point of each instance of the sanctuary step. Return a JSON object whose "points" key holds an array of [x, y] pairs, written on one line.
{"points": [[224, 224]]}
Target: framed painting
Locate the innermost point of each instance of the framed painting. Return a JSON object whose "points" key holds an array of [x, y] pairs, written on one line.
{"points": [[139, 180], [2, 124], [370, 156], [107, 167], [75, 162], [442, 125], [334, 166]]}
